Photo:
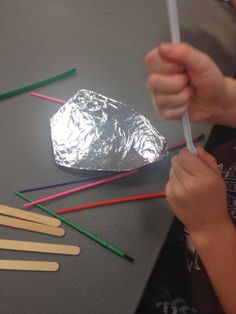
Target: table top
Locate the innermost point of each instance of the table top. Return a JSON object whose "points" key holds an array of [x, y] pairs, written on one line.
{"points": [[106, 41]]}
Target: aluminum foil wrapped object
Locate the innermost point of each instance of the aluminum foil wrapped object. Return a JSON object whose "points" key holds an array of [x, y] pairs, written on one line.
{"points": [[94, 132]]}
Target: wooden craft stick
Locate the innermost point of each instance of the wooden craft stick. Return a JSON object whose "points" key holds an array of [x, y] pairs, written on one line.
{"points": [[31, 226], [28, 265], [26, 215], [39, 247]]}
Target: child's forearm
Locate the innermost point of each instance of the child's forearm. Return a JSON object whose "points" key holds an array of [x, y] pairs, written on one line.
{"points": [[228, 118], [218, 254]]}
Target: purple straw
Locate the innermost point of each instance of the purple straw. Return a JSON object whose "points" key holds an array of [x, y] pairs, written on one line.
{"points": [[48, 186], [80, 188]]}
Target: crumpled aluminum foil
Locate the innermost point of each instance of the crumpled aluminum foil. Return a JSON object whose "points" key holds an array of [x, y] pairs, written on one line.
{"points": [[94, 132]]}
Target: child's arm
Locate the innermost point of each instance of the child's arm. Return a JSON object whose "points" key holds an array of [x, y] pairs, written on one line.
{"points": [[196, 192], [218, 254], [183, 78]]}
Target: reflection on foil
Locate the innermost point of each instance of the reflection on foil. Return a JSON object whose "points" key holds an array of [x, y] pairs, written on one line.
{"points": [[94, 132]]}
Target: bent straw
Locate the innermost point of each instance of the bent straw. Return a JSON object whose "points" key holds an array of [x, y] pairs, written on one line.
{"points": [[53, 99], [113, 201], [80, 188], [80, 229], [183, 143], [24, 89], [47, 186], [175, 36]]}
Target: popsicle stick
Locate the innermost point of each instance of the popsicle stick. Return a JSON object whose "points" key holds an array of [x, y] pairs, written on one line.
{"points": [[23, 214], [28, 265], [31, 226], [39, 247]]}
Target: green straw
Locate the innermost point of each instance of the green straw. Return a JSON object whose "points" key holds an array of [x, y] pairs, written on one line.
{"points": [[75, 226], [36, 85]]}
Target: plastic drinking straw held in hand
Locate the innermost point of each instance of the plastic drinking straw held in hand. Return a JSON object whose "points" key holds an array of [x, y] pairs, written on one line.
{"points": [[59, 101], [24, 89], [175, 36], [183, 143], [113, 201], [80, 188], [80, 229], [47, 186]]}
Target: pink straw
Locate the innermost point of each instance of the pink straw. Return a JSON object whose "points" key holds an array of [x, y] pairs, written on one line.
{"points": [[80, 188], [47, 98]]}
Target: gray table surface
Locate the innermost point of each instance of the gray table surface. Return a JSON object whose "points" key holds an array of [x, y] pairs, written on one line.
{"points": [[106, 41]]}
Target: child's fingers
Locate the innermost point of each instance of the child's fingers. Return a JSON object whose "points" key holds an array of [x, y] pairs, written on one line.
{"points": [[178, 174], [171, 101], [167, 84], [195, 165], [156, 63], [198, 164], [172, 114], [196, 62], [208, 159], [174, 188], [172, 106]]}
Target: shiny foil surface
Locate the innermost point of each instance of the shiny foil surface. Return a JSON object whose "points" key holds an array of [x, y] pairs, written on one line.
{"points": [[94, 132]]}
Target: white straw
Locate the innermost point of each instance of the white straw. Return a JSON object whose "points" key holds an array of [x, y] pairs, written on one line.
{"points": [[175, 37]]}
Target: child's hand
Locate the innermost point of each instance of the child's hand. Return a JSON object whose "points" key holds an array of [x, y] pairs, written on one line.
{"points": [[185, 79], [197, 194]]}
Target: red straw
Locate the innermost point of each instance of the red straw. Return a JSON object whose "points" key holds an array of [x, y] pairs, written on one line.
{"points": [[113, 201]]}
